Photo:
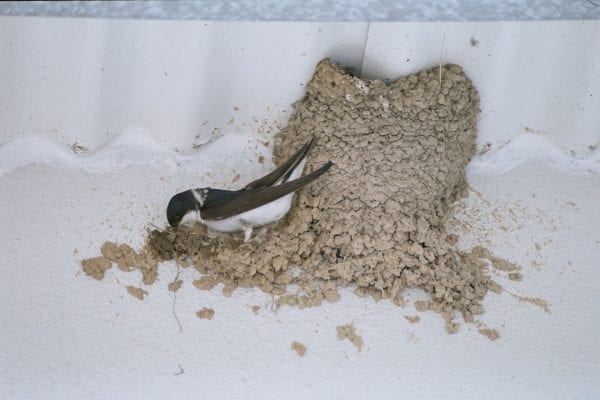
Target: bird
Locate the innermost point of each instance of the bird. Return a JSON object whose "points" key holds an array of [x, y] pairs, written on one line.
{"points": [[261, 202]]}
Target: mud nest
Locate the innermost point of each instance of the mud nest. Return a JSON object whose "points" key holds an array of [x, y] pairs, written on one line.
{"points": [[377, 220]]}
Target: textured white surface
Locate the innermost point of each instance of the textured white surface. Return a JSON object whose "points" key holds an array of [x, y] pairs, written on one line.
{"points": [[312, 10], [85, 80], [533, 77], [64, 335]]}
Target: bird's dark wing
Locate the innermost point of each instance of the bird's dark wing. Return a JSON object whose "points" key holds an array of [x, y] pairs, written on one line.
{"points": [[284, 170], [216, 199], [221, 204]]}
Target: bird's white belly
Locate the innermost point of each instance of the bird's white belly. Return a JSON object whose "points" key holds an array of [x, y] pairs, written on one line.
{"points": [[262, 215]]}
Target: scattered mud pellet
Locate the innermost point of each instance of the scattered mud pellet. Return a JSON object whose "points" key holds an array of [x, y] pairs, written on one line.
{"points": [[413, 319], [452, 327], [255, 309], [206, 313], [494, 287], [136, 292], [421, 305], [228, 289], [543, 304], [491, 334], [299, 348], [330, 293], [96, 267], [497, 262], [205, 283], [348, 332], [515, 276], [538, 246], [126, 259], [176, 285]]}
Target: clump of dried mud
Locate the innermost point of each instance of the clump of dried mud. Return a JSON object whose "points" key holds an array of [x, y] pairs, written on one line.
{"points": [[299, 348], [375, 221], [348, 332]]}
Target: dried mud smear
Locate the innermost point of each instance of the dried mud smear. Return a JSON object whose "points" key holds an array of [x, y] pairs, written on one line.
{"points": [[348, 332], [299, 348], [376, 220], [136, 292], [175, 285], [413, 319], [491, 334], [206, 313]]}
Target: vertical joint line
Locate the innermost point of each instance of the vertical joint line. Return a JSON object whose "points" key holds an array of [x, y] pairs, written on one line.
{"points": [[362, 60]]}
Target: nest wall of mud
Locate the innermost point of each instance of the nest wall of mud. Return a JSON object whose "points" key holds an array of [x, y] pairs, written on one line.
{"points": [[375, 221]]}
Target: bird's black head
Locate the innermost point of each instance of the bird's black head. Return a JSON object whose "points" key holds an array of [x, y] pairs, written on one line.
{"points": [[180, 205]]}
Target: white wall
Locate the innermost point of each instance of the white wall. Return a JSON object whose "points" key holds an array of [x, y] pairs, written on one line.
{"points": [[85, 80], [64, 335], [533, 77]]}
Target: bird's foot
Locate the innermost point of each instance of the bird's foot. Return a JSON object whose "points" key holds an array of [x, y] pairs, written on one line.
{"points": [[247, 231]]}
